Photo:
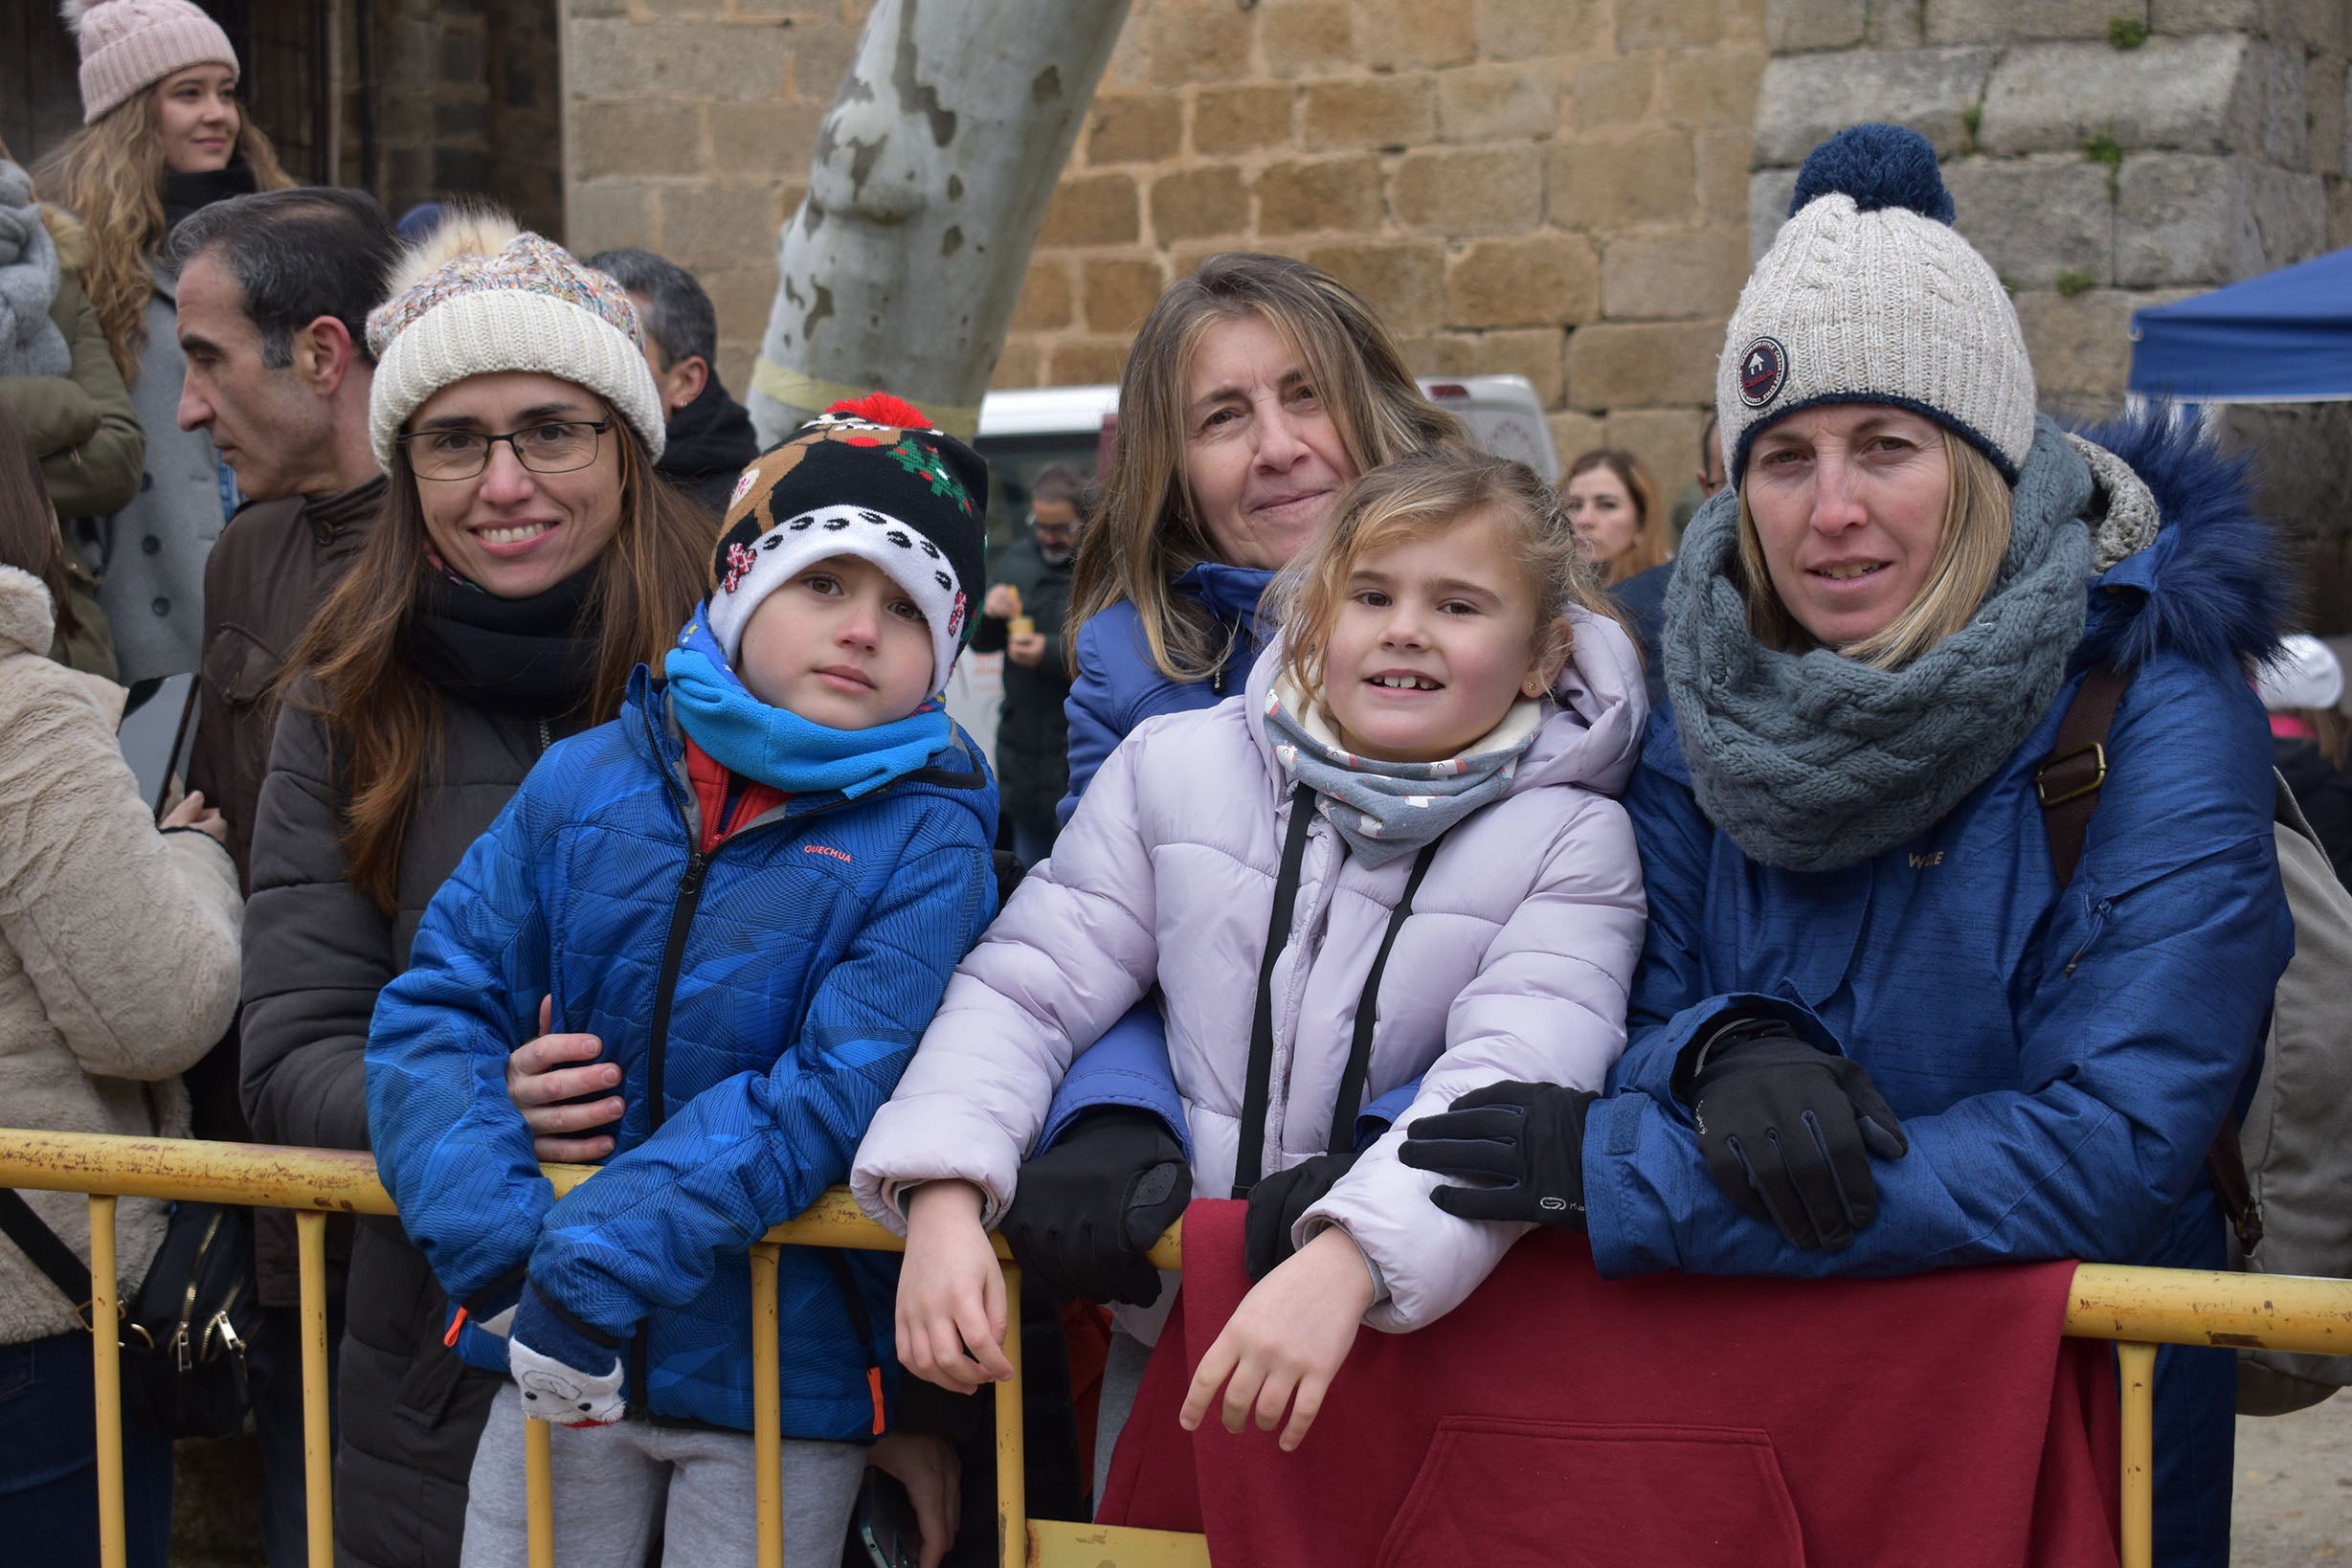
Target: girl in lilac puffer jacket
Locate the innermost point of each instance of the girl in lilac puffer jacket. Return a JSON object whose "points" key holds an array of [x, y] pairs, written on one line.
{"points": [[1394, 857]]}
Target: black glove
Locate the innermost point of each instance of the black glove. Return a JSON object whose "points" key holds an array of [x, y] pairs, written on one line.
{"points": [[1529, 1136], [1086, 1209], [1275, 1204], [1787, 1131]]}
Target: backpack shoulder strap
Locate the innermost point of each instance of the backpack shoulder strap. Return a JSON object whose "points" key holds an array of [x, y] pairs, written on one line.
{"points": [[2068, 780], [2068, 785]]}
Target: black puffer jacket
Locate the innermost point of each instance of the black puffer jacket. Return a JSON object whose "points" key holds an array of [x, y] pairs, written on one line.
{"points": [[1033, 737], [316, 952]]}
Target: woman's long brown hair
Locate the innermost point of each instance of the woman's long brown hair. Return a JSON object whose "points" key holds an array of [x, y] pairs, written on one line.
{"points": [[385, 720], [111, 176]]}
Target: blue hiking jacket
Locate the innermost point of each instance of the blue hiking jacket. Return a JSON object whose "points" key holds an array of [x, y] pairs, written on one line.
{"points": [[2061, 1062], [761, 1001], [1117, 686]]}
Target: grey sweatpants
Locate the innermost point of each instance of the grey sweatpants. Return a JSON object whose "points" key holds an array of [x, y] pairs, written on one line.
{"points": [[613, 1481]]}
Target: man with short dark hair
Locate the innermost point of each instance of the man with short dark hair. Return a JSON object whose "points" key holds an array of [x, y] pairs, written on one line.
{"points": [[275, 290], [277, 287], [1028, 599], [709, 437]]}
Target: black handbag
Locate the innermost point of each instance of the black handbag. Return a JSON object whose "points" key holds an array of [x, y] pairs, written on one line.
{"points": [[183, 1333]]}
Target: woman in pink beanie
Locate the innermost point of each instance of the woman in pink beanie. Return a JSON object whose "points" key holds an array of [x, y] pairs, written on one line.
{"points": [[163, 134]]}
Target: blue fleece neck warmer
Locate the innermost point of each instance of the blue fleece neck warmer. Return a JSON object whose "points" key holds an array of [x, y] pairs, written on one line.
{"points": [[777, 746]]}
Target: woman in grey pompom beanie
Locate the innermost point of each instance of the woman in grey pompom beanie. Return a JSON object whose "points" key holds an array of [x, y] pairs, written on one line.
{"points": [[1875, 1030]]}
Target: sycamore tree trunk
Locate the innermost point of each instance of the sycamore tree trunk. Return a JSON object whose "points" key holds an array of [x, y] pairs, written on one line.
{"points": [[933, 171]]}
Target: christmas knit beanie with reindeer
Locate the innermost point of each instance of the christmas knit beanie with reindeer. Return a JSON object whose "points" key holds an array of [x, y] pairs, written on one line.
{"points": [[868, 478]]}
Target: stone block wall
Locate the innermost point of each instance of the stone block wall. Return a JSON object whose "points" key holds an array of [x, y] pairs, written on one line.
{"points": [[466, 101], [1547, 187], [1552, 188], [2105, 155], [688, 129]]}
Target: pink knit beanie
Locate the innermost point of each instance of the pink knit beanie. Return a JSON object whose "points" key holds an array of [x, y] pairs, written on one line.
{"points": [[128, 44]]}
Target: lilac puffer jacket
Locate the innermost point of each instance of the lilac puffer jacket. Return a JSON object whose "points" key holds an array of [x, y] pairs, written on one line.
{"points": [[1514, 964]]}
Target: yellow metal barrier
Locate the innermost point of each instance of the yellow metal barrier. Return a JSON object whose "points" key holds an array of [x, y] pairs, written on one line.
{"points": [[2138, 1308]]}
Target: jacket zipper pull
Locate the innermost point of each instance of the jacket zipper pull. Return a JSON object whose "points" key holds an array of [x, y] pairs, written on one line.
{"points": [[455, 1323], [873, 1386]]}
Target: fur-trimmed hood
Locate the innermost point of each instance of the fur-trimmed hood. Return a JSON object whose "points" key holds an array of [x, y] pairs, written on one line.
{"points": [[2212, 586]]}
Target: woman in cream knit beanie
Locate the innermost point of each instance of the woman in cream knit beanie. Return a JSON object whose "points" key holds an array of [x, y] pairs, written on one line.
{"points": [[494, 332], [526, 560], [1879, 1027]]}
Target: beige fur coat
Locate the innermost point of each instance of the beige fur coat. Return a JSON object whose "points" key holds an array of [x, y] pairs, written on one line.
{"points": [[117, 944]]}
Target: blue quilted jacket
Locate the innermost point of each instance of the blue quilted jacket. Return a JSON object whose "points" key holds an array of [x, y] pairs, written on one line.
{"points": [[761, 1001], [2060, 1060]]}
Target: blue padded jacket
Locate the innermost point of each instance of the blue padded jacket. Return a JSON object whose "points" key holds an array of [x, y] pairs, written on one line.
{"points": [[761, 1001], [2060, 1060], [1117, 686]]}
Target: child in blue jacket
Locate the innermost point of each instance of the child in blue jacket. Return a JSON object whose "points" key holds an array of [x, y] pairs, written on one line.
{"points": [[751, 887]]}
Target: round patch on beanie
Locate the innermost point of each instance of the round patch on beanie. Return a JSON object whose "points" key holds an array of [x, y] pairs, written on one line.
{"points": [[1763, 371]]}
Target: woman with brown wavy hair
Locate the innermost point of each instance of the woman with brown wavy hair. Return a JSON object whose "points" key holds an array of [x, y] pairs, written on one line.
{"points": [[526, 561], [163, 134]]}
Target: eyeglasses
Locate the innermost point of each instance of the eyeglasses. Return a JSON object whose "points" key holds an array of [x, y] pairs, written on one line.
{"points": [[555, 448]]}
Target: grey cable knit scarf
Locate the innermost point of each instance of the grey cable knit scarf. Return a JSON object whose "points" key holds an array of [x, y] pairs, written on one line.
{"points": [[1813, 761], [1384, 810], [29, 342]]}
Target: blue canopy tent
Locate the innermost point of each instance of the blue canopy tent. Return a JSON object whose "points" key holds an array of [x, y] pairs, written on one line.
{"points": [[2285, 337]]}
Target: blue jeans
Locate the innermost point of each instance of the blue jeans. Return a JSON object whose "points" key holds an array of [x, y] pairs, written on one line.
{"points": [[1033, 839], [273, 1368], [49, 1462]]}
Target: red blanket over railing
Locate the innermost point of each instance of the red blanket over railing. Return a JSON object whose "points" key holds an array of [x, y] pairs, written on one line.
{"points": [[1558, 1419]]}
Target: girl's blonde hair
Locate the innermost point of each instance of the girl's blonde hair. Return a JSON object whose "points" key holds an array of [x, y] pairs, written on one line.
{"points": [[1419, 495], [1968, 557], [110, 175], [1146, 533], [1648, 546]]}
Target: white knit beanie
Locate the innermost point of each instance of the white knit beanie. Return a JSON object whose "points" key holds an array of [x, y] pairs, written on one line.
{"points": [[2305, 673], [479, 296], [1868, 296], [128, 44]]}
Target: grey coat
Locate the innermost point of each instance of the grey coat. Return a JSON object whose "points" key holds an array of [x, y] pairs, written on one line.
{"points": [[150, 556], [316, 952]]}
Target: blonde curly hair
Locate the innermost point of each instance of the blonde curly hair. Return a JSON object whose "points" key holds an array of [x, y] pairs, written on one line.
{"points": [[110, 174]]}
